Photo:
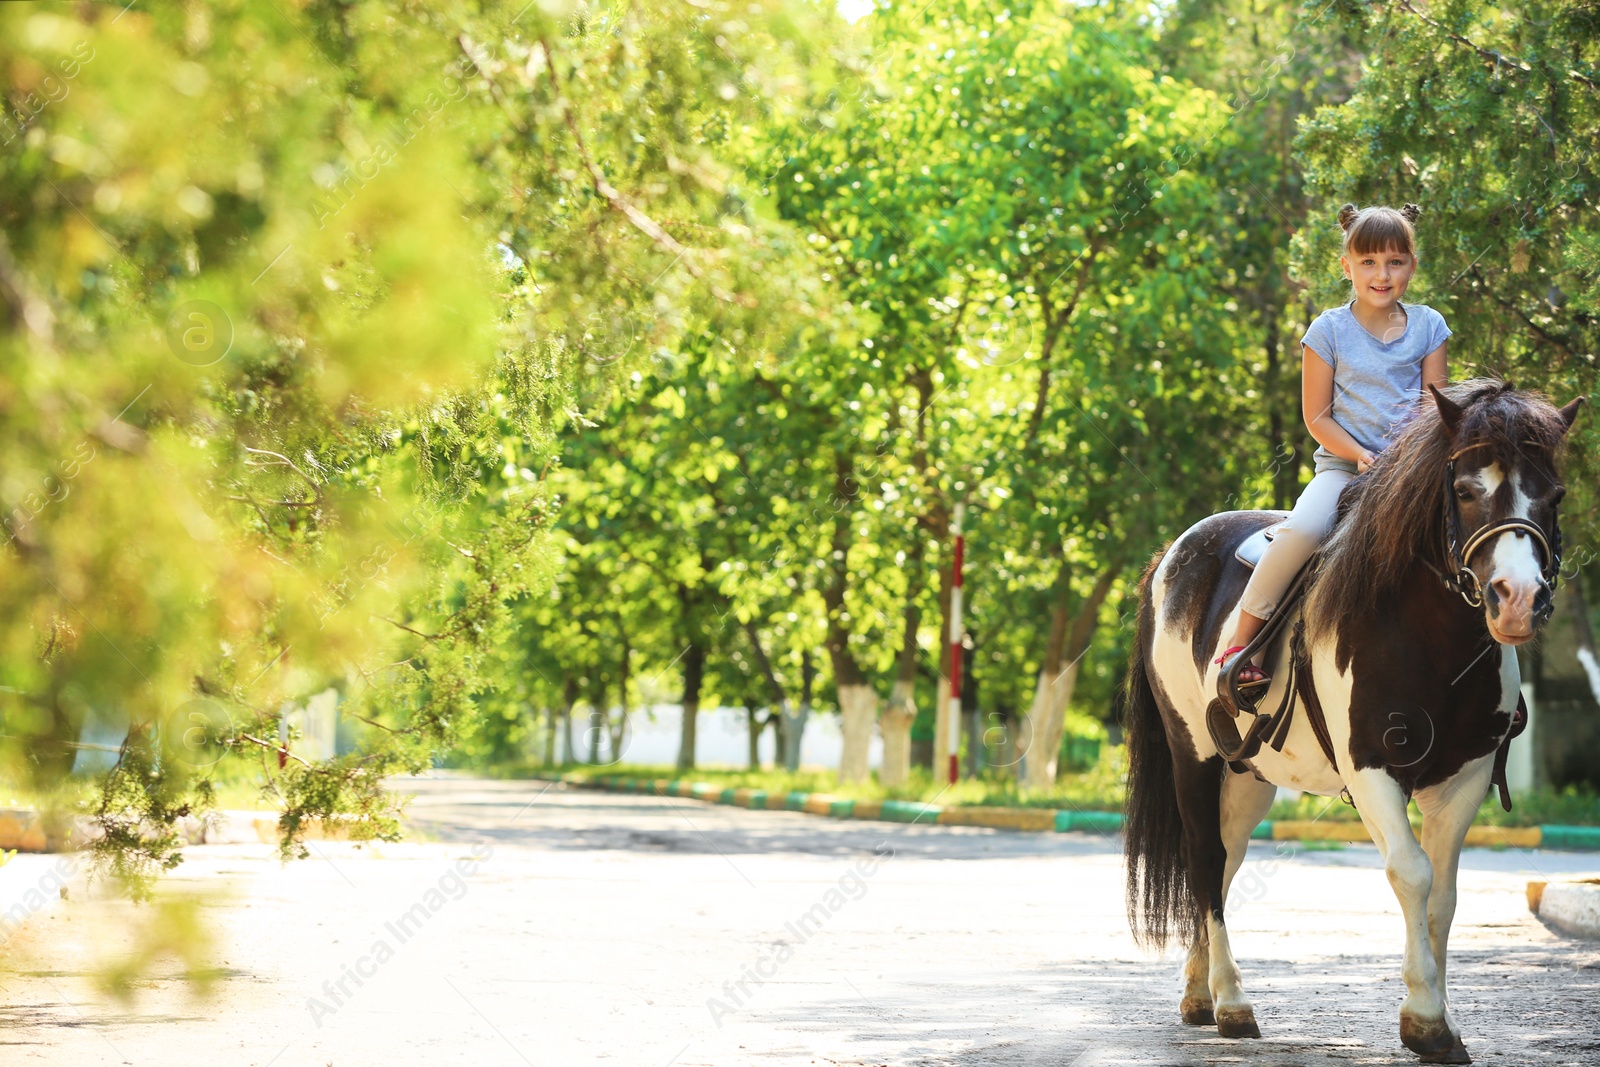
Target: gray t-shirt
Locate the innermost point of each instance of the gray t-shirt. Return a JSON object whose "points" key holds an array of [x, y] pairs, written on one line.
{"points": [[1374, 381]]}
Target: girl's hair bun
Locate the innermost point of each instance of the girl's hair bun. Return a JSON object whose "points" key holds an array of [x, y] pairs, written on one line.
{"points": [[1378, 229]]}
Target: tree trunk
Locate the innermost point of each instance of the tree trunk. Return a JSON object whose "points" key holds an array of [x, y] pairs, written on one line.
{"points": [[783, 716], [570, 692], [793, 722], [1283, 447], [1003, 735], [792, 730], [858, 704], [598, 720], [619, 728], [858, 710], [552, 717], [902, 708], [755, 725], [694, 669], [896, 728], [1042, 728], [941, 707], [1045, 723], [619, 734]]}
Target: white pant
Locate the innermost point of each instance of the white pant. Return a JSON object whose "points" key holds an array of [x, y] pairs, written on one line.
{"points": [[1296, 538]]}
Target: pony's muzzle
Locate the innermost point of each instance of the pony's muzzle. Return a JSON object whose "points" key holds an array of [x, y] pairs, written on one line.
{"points": [[1513, 604]]}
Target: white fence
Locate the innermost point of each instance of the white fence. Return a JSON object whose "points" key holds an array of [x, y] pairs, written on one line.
{"points": [[721, 738]]}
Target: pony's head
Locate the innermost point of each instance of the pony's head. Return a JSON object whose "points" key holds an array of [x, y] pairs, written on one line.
{"points": [[1471, 488], [1505, 492]]}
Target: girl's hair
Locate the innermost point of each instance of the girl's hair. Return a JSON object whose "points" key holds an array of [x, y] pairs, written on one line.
{"points": [[1378, 229]]}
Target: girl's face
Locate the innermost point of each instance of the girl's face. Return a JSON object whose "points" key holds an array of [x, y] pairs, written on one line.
{"points": [[1380, 278]]}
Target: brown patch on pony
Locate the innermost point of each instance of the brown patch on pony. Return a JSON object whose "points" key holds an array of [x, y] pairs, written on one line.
{"points": [[1395, 511]]}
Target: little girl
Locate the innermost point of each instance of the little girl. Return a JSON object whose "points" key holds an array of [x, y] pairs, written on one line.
{"points": [[1362, 365]]}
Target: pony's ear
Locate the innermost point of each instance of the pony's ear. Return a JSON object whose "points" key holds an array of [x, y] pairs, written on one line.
{"points": [[1449, 410], [1569, 413]]}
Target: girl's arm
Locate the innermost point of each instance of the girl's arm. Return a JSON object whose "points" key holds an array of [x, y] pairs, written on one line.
{"points": [[1435, 370], [1316, 404]]}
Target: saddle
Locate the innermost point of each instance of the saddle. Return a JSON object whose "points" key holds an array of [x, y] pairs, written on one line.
{"points": [[1222, 715], [1273, 728]]}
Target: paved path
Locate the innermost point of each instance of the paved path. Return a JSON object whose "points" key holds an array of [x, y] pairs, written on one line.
{"points": [[602, 929]]}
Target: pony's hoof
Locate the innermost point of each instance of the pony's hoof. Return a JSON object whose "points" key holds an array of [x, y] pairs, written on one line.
{"points": [[1457, 1053], [1197, 1012], [1432, 1040], [1237, 1022]]}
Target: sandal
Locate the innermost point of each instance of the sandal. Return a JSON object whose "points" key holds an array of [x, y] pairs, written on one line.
{"points": [[1250, 676]]}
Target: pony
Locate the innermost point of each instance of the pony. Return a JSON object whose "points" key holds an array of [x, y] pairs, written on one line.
{"points": [[1404, 666]]}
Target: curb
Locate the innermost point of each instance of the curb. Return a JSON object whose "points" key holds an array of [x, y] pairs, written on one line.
{"points": [[23, 830], [1571, 907], [1037, 820], [1046, 820]]}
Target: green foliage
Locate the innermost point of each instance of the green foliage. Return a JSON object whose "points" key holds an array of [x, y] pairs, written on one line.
{"points": [[295, 304], [1501, 154], [501, 364]]}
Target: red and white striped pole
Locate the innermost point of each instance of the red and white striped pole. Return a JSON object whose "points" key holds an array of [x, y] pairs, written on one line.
{"points": [[955, 645]]}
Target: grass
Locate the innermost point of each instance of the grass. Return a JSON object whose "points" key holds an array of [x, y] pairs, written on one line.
{"points": [[1543, 807], [1100, 788]]}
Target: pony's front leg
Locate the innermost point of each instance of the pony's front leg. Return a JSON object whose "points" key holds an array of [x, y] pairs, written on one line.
{"points": [[1447, 811], [1382, 805]]}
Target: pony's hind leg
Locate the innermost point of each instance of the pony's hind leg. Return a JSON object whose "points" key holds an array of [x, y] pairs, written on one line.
{"points": [[1244, 802], [1200, 788], [1196, 1006]]}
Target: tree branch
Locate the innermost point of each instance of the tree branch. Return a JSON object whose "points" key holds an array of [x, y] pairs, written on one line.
{"points": [[612, 196], [1499, 58], [274, 746], [283, 461]]}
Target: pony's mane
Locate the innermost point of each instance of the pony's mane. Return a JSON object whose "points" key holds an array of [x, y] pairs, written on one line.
{"points": [[1394, 513]]}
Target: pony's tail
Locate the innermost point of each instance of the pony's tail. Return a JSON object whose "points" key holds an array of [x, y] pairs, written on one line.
{"points": [[1161, 904]]}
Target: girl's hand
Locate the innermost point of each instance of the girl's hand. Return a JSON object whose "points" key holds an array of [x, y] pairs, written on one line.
{"points": [[1365, 460]]}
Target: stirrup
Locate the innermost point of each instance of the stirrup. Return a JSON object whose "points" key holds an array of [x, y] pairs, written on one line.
{"points": [[1242, 684]]}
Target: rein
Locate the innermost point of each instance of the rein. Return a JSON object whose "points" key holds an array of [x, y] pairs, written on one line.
{"points": [[1459, 577]]}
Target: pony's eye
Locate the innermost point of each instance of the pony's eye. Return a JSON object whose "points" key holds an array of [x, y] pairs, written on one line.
{"points": [[1560, 495], [1463, 493]]}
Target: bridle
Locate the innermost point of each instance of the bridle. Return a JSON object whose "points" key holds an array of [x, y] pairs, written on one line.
{"points": [[1458, 575]]}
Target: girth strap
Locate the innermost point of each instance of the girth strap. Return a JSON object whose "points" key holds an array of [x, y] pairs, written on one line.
{"points": [[1314, 714], [1519, 723]]}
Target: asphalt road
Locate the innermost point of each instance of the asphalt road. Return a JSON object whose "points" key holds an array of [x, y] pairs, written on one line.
{"points": [[563, 927]]}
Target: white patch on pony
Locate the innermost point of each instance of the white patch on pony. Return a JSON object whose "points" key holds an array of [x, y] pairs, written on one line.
{"points": [[1301, 765], [1510, 682], [1334, 690], [1170, 657], [1516, 554], [1489, 478], [1227, 989]]}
